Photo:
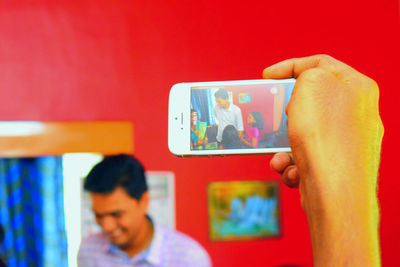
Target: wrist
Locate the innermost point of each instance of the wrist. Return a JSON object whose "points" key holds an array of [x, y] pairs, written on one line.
{"points": [[343, 230]]}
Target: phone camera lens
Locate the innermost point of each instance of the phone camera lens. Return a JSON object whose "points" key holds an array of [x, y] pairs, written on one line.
{"points": [[181, 128], [176, 118]]}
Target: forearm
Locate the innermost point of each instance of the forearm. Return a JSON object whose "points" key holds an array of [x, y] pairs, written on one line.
{"points": [[344, 232], [357, 246], [241, 135]]}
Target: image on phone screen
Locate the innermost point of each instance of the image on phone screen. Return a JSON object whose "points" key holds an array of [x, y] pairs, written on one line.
{"points": [[239, 116]]}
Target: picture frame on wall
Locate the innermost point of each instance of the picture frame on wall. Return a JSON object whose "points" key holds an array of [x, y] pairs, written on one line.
{"points": [[244, 210]]}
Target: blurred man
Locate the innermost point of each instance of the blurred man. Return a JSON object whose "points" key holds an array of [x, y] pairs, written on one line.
{"points": [[120, 201]]}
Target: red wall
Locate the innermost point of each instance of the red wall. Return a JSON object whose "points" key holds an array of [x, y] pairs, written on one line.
{"points": [[261, 100], [113, 60]]}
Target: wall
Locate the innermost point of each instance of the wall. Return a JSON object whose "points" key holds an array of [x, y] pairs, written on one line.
{"points": [[261, 100], [108, 60]]}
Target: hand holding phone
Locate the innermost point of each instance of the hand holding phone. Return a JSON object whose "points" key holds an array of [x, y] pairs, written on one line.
{"points": [[230, 117]]}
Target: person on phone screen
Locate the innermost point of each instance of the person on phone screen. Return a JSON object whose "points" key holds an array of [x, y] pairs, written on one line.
{"points": [[198, 138], [120, 201], [231, 138], [227, 113], [256, 124], [335, 133]]}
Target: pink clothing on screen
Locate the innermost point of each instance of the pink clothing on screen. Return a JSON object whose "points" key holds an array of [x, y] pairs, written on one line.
{"points": [[253, 132]]}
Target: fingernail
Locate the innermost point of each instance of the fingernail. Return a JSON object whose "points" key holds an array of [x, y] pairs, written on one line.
{"points": [[291, 174]]}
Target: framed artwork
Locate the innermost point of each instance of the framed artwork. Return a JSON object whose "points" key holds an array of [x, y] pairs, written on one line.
{"points": [[162, 197], [243, 210], [244, 98]]}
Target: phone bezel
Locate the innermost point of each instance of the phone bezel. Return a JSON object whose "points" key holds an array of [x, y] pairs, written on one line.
{"points": [[179, 120]]}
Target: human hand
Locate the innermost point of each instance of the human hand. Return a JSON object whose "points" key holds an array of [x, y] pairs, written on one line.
{"points": [[283, 163], [335, 133]]}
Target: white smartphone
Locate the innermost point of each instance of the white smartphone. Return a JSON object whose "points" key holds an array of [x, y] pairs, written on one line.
{"points": [[229, 117]]}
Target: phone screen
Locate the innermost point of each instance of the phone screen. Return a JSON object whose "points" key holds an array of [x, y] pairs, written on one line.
{"points": [[239, 116]]}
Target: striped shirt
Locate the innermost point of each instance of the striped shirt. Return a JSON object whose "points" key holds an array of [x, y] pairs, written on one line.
{"points": [[168, 248]]}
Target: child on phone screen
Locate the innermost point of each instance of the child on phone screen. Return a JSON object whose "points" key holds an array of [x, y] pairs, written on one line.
{"points": [[256, 122], [197, 131]]}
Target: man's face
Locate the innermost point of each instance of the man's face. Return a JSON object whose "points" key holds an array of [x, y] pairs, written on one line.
{"points": [[250, 119], [222, 103], [120, 216]]}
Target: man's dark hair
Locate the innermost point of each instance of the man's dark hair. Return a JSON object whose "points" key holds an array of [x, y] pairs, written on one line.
{"points": [[221, 93], [113, 171], [231, 138]]}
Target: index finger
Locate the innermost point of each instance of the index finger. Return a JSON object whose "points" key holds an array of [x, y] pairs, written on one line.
{"points": [[292, 68]]}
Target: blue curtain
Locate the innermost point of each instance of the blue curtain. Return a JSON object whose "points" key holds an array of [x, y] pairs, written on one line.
{"points": [[32, 212], [201, 100], [288, 94]]}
